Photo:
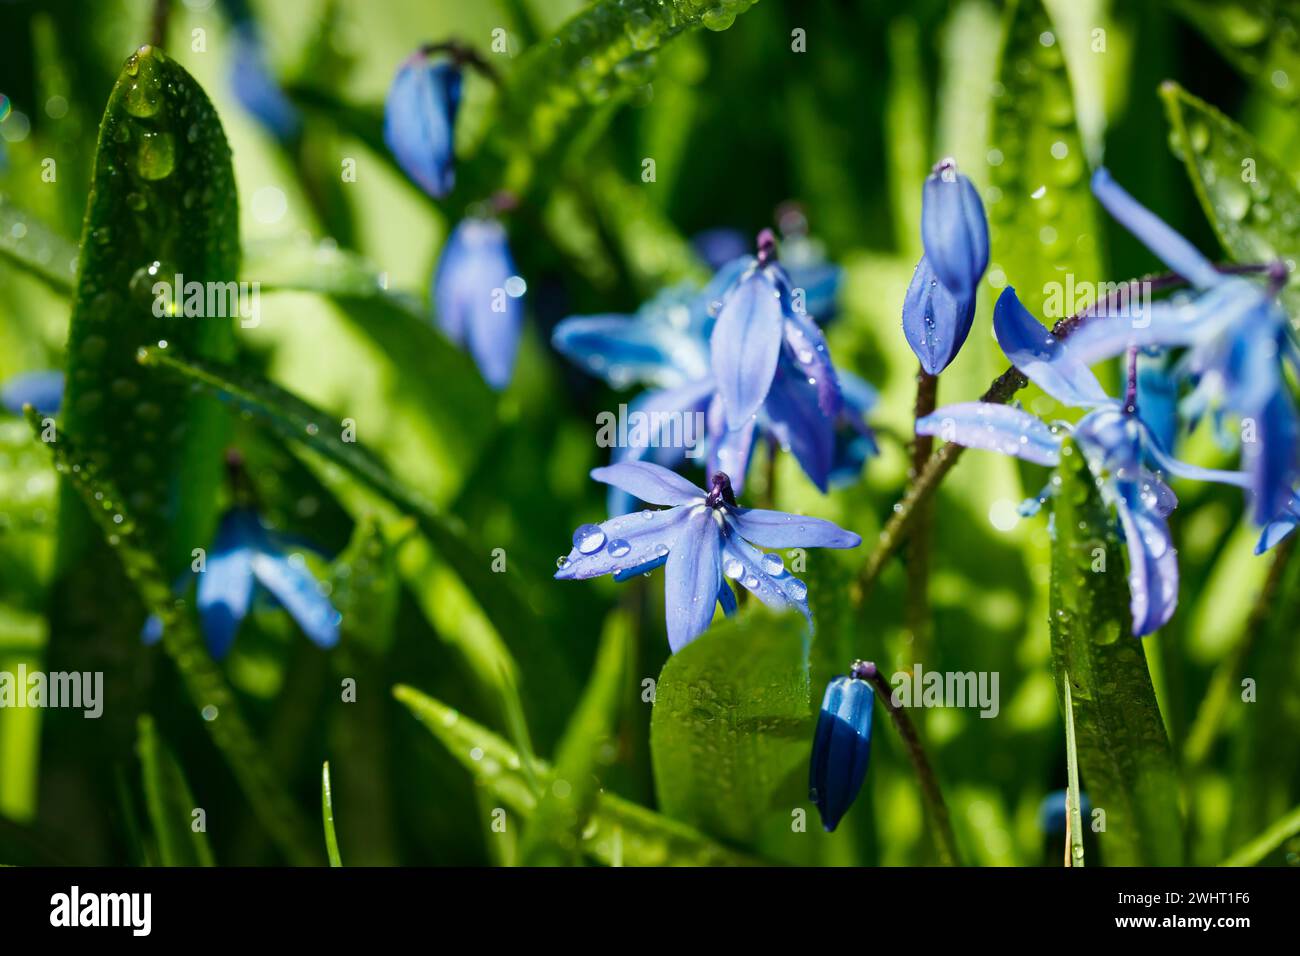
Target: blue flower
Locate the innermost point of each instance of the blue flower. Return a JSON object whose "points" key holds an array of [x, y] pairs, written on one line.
{"points": [[420, 121], [940, 303], [256, 88], [1283, 523], [668, 346], [41, 390], [476, 295], [1115, 441], [244, 559], [704, 538], [842, 745], [1236, 334], [1052, 814]]}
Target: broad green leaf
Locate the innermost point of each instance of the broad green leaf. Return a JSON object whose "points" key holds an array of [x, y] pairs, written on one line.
{"points": [[295, 420], [554, 833], [619, 832], [207, 687], [35, 247], [1250, 199], [1258, 37], [1042, 221], [1124, 755], [732, 723], [170, 802], [162, 205], [595, 60], [327, 815]]}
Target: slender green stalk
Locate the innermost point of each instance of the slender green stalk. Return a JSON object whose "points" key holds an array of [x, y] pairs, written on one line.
{"points": [[158, 23], [327, 814], [1268, 841], [945, 843], [916, 606]]}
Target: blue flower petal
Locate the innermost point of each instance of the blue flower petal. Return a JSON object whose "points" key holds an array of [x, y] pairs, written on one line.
{"points": [[727, 599], [476, 301], [820, 282], [1153, 563], [693, 578], [1271, 458], [420, 119], [226, 584], [999, 428], [719, 246], [1280, 527], [1175, 251], [41, 390], [752, 570], [841, 748], [778, 529], [650, 483], [794, 416], [624, 543], [1043, 358], [806, 356], [256, 88], [300, 594], [1171, 323], [622, 349], [729, 451], [935, 322], [1157, 400], [745, 345], [954, 231]]}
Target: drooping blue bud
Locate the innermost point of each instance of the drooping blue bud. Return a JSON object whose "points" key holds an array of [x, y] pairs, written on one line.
{"points": [[255, 86], [842, 745], [954, 230], [420, 121], [477, 296]]}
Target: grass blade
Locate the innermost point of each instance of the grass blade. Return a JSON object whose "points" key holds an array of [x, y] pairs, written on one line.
{"points": [[327, 814]]}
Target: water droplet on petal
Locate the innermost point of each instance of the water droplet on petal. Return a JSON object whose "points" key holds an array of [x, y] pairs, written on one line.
{"points": [[589, 539]]}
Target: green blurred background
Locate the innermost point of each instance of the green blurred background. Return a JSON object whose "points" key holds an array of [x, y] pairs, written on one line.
{"points": [[737, 124]]}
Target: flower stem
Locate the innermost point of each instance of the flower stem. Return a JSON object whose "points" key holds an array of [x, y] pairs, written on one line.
{"points": [[158, 24], [917, 602], [945, 843], [919, 490]]}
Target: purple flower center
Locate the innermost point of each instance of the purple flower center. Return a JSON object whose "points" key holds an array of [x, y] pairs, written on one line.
{"points": [[720, 491]]}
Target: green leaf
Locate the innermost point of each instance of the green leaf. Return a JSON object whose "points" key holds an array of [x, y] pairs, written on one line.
{"points": [[207, 687], [1268, 841], [619, 832], [1042, 220], [1258, 37], [1124, 755], [162, 204], [732, 723], [35, 247], [170, 802], [1072, 775], [554, 834], [1250, 199], [327, 814]]}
